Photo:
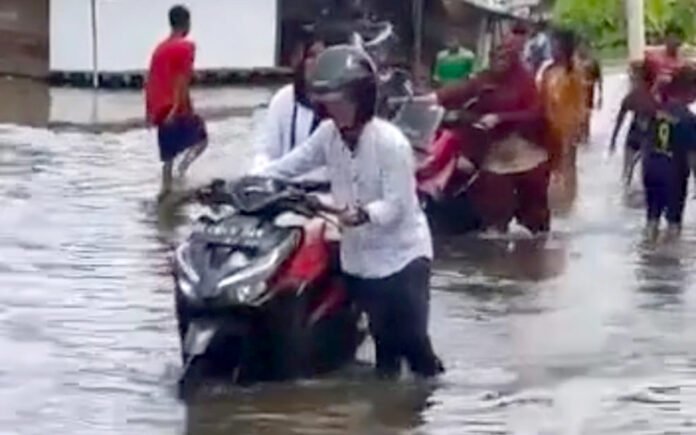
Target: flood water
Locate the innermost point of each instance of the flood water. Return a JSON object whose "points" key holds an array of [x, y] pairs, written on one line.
{"points": [[591, 332]]}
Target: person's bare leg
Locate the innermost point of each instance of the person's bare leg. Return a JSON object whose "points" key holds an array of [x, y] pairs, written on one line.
{"points": [[166, 179], [673, 232], [630, 161], [190, 156], [652, 230]]}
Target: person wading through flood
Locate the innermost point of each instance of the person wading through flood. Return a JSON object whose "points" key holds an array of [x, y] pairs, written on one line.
{"points": [[665, 155], [291, 118], [168, 99], [641, 102], [564, 102], [386, 247], [505, 147], [664, 62], [593, 86]]}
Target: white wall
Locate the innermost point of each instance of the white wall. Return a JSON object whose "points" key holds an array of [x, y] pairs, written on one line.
{"points": [[70, 36], [236, 34]]}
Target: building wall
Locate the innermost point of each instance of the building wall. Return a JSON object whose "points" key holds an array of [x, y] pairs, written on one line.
{"points": [[24, 43], [71, 35], [230, 34]]}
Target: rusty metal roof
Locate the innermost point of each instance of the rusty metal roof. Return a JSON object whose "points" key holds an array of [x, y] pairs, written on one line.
{"points": [[506, 8]]}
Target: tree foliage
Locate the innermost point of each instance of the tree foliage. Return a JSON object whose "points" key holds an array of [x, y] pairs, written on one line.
{"points": [[603, 22]]}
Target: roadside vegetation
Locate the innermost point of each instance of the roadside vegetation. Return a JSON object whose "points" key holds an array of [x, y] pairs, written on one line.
{"points": [[603, 22]]}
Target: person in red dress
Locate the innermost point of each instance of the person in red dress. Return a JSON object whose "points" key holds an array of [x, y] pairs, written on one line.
{"points": [[507, 146], [168, 99]]}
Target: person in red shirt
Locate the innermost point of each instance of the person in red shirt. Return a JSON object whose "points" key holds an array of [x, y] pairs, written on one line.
{"points": [[665, 62], [168, 99]]}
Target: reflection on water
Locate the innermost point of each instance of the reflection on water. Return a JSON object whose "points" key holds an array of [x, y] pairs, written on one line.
{"points": [[24, 101], [516, 257], [327, 407], [588, 332]]}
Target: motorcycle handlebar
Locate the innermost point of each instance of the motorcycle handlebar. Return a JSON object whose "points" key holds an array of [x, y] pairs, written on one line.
{"points": [[412, 99], [310, 186], [295, 194], [214, 193]]}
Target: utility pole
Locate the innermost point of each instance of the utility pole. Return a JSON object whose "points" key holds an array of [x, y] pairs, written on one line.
{"points": [[95, 47], [635, 17], [417, 16]]}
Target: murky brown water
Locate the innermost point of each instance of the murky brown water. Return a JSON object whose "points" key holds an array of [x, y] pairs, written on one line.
{"points": [[588, 333]]}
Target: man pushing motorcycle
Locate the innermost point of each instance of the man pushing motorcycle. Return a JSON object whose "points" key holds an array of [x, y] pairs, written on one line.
{"points": [[386, 246]]}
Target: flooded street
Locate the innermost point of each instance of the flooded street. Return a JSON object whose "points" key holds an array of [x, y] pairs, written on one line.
{"points": [[588, 333]]}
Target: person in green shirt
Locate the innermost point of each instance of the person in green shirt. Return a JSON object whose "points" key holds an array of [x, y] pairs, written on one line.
{"points": [[453, 64]]}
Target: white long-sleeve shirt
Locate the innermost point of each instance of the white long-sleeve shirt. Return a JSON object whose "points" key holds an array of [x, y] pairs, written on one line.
{"points": [[379, 177], [274, 137]]}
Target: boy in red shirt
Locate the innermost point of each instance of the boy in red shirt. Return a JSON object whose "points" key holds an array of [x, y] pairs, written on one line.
{"points": [[168, 99], [666, 61]]}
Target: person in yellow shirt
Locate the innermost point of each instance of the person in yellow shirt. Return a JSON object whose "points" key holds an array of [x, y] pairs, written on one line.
{"points": [[562, 91]]}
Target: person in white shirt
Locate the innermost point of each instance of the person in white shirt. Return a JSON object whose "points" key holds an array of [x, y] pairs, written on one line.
{"points": [[291, 117], [386, 247]]}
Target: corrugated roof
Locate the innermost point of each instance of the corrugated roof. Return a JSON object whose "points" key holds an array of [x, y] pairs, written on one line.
{"points": [[498, 7]]}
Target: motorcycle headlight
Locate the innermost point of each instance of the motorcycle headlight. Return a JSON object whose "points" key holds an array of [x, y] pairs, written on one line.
{"points": [[247, 294], [249, 283], [185, 285], [186, 275]]}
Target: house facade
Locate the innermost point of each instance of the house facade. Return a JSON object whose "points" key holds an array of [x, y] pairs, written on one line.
{"points": [[76, 38], [43, 37]]}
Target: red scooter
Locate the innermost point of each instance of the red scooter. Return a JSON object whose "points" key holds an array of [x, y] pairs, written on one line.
{"points": [[257, 301], [446, 172]]}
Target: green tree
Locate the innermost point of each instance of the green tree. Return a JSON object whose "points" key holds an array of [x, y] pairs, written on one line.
{"points": [[600, 21], [603, 22]]}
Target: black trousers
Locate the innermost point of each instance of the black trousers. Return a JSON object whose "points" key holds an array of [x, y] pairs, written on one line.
{"points": [[397, 307]]}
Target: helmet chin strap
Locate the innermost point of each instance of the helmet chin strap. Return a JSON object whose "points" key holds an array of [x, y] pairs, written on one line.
{"points": [[351, 136]]}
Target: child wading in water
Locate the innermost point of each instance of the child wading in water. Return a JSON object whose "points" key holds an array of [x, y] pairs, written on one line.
{"points": [[641, 103], [665, 155], [168, 100]]}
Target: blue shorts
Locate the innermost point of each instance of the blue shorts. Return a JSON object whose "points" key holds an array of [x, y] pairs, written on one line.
{"points": [[180, 134], [665, 183]]}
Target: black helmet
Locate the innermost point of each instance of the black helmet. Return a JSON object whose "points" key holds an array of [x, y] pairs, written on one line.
{"points": [[345, 71]]}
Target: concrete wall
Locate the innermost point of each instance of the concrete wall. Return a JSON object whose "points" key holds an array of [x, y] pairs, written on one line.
{"points": [[24, 37], [230, 34], [71, 35]]}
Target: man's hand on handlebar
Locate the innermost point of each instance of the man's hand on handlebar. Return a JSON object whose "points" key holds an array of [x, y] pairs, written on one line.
{"points": [[314, 203], [353, 217], [488, 121], [311, 185]]}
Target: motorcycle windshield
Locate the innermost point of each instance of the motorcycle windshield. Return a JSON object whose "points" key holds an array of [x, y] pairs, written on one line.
{"points": [[419, 120]]}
